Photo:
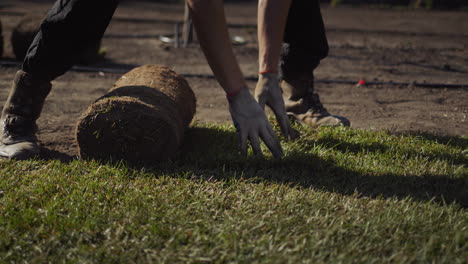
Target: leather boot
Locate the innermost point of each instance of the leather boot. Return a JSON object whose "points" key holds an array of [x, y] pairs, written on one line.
{"points": [[18, 121], [304, 104]]}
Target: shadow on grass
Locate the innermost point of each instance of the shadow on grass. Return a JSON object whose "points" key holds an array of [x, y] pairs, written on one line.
{"points": [[49, 154], [444, 140], [205, 152], [374, 147], [211, 153]]}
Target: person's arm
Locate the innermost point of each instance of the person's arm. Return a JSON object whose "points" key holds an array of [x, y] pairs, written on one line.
{"points": [[250, 120], [271, 20], [271, 23]]}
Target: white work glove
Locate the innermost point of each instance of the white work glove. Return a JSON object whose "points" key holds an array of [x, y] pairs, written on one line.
{"points": [[268, 92], [251, 123]]}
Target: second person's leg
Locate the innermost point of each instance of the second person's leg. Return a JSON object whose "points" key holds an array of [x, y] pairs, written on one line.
{"points": [[305, 44]]}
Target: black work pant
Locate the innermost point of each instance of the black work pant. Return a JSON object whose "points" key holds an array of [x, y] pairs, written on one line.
{"points": [[69, 27], [72, 25], [305, 42]]}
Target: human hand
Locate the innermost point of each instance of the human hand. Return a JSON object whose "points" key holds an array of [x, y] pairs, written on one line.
{"points": [[268, 92], [251, 123]]}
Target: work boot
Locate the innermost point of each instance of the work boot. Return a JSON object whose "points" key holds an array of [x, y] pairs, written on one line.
{"points": [[19, 115], [304, 104]]}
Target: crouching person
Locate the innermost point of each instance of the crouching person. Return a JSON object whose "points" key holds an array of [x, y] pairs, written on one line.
{"points": [[71, 25]]}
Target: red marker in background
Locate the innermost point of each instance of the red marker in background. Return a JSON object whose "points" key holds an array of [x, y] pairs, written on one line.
{"points": [[361, 83]]}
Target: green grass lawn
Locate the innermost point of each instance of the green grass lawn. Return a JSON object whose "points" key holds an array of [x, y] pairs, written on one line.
{"points": [[338, 196]]}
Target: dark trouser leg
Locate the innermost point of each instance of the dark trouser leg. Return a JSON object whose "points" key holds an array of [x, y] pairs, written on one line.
{"points": [[70, 27], [305, 42]]}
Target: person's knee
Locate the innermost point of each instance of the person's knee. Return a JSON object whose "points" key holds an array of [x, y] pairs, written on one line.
{"points": [[298, 60]]}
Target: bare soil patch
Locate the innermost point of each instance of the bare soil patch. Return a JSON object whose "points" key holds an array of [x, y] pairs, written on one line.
{"points": [[384, 45]]}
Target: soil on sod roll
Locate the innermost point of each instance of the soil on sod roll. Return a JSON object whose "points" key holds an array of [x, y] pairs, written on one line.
{"points": [[125, 128], [137, 123], [167, 81], [25, 32]]}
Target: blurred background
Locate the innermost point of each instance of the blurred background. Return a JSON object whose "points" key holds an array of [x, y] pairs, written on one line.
{"points": [[412, 55], [429, 4]]}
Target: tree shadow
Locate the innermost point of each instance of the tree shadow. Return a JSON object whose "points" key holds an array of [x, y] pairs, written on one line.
{"points": [[441, 139], [211, 153], [309, 171], [374, 147]]}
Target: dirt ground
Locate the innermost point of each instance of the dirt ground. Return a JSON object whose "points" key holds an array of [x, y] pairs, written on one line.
{"points": [[386, 45]]}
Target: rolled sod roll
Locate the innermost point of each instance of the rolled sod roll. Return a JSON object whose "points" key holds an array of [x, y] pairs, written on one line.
{"points": [[26, 30], [142, 119]]}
